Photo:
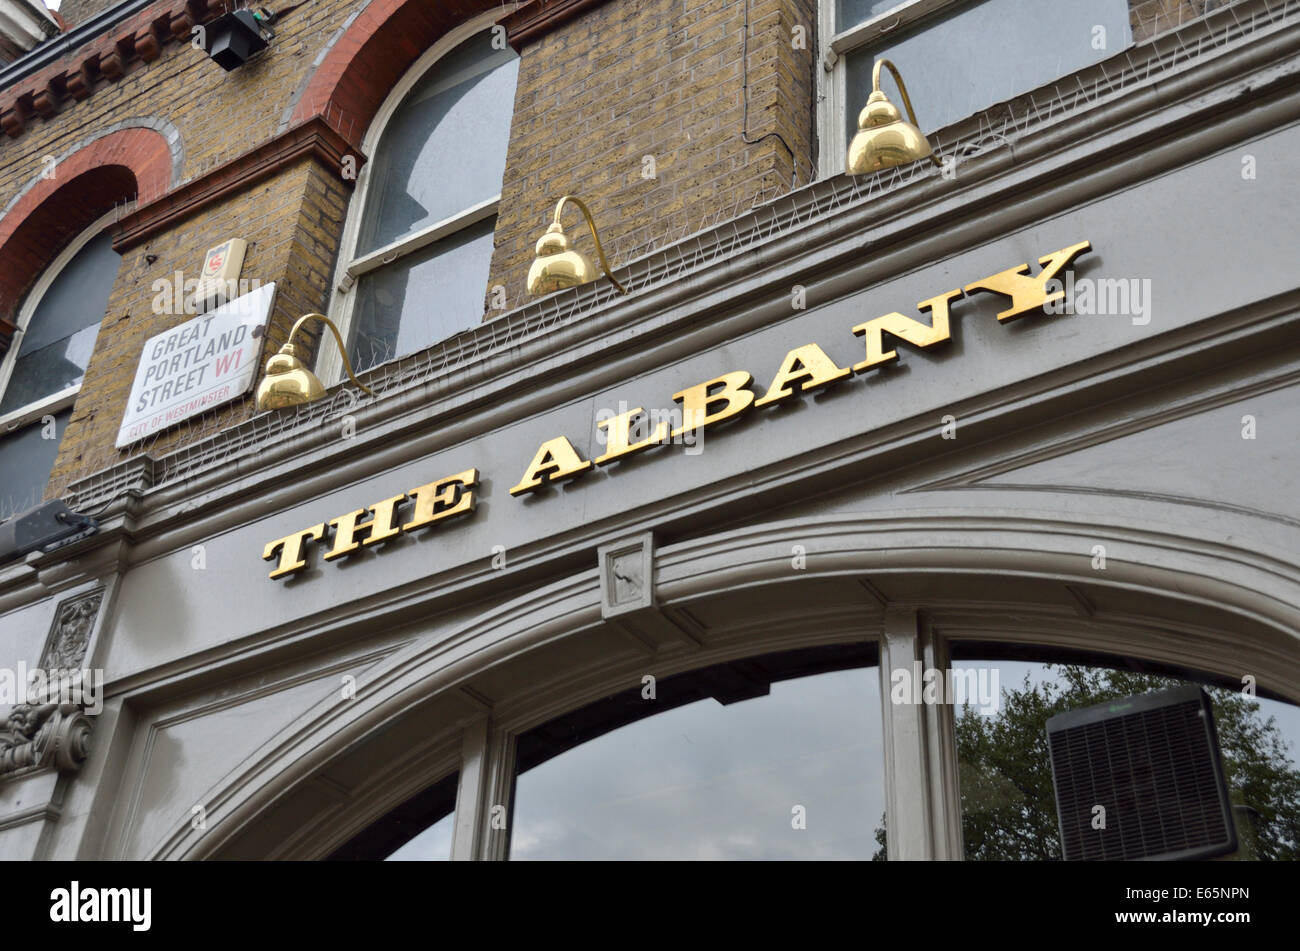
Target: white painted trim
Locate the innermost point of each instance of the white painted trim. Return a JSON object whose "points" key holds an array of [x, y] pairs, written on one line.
{"points": [[471, 792], [830, 99], [420, 239], [329, 362], [868, 31], [32, 412], [907, 779], [56, 401], [832, 78]]}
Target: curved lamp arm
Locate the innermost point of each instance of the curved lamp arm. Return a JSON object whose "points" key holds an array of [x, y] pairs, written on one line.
{"points": [[591, 225], [902, 88], [343, 350]]}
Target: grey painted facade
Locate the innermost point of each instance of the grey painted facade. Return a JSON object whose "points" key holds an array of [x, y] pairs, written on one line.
{"points": [[1072, 431]]}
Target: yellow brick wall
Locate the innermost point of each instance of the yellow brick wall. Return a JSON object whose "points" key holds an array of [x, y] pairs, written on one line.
{"points": [[219, 115], [291, 223], [657, 78]]}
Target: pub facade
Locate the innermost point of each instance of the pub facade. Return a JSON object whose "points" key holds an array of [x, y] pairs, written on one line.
{"points": [[385, 504]]}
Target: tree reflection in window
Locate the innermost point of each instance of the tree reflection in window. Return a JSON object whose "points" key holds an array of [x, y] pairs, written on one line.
{"points": [[1005, 775]]}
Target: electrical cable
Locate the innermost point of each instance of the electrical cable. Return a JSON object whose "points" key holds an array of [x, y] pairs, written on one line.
{"points": [[744, 126]]}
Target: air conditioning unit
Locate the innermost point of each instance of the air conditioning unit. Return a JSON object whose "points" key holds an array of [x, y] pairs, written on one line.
{"points": [[1141, 778]]}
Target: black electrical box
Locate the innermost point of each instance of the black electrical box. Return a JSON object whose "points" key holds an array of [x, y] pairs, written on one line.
{"points": [[1141, 778]]}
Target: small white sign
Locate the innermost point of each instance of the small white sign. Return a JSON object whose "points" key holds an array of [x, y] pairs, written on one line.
{"points": [[197, 366]]}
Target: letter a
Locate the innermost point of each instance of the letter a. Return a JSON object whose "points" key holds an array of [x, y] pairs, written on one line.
{"points": [[556, 460]]}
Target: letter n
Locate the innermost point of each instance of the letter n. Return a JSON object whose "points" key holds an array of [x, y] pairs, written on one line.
{"points": [[905, 328]]}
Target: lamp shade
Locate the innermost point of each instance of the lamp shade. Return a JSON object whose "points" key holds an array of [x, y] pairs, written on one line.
{"points": [[557, 265], [287, 382], [884, 138]]}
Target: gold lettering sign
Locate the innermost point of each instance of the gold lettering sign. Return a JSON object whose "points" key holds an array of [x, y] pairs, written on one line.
{"points": [[803, 370], [433, 503], [727, 397]]}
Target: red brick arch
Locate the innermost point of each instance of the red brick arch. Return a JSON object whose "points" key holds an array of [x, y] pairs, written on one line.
{"points": [[128, 163], [374, 52]]}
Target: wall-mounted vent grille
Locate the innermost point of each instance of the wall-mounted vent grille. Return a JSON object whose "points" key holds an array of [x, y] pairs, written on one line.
{"points": [[1152, 763]]}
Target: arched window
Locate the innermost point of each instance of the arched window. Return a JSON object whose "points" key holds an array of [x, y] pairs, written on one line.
{"points": [[414, 267], [778, 756], [41, 373], [724, 761]]}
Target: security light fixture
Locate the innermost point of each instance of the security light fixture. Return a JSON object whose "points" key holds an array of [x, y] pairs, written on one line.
{"points": [[49, 526], [288, 382], [235, 36], [557, 265], [884, 138]]}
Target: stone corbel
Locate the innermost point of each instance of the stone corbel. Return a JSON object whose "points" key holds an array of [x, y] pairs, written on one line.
{"points": [[48, 735], [54, 734], [627, 596], [534, 19]]}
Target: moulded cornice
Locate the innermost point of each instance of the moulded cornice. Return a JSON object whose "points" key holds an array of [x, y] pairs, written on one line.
{"points": [[535, 19]]}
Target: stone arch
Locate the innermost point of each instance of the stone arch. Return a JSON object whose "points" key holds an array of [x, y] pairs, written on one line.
{"points": [[367, 57], [131, 163]]}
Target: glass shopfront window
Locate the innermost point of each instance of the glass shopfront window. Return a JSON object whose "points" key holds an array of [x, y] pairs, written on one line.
{"points": [[41, 373], [418, 830], [777, 757], [1005, 773]]}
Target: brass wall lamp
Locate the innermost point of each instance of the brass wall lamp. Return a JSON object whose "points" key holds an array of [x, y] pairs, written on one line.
{"points": [[288, 382], [557, 265], [884, 139]]}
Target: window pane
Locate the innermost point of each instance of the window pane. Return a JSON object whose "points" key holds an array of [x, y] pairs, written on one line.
{"points": [[26, 458], [708, 781], [43, 372], [853, 12], [418, 830], [986, 53], [1008, 800], [431, 845], [58, 340], [423, 298], [444, 150]]}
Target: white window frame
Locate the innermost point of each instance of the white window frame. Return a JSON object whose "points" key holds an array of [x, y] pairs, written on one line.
{"points": [[25, 416], [833, 46], [329, 362]]}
